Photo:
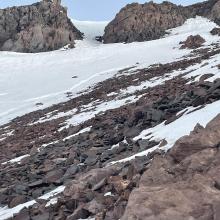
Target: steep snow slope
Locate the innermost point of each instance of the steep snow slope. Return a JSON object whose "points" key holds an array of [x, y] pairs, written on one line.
{"points": [[28, 79]]}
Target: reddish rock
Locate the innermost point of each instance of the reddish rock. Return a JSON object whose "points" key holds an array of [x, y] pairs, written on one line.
{"points": [[188, 189], [149, 21], [182, 200], [54, 176], [193, 42], [141, 22], [17, 201]]}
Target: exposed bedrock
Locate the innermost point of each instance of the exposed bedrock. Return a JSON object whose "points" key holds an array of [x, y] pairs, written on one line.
{"points": [[149, 21], [185, 183], [43, 26]]}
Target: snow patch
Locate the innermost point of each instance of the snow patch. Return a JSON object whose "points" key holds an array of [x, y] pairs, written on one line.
{"points": [[98, 109], [45, 145], [182, 126], [51, 116], [16, 160], [108, 194], [78, 133], [6, 212]]}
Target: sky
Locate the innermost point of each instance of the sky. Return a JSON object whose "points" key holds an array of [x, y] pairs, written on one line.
{"points": [[93, 10]]}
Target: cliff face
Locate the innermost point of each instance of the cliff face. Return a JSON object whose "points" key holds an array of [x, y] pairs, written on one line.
{"points": [[179, 185], [149, 21], [140, 22], [43, 26]]}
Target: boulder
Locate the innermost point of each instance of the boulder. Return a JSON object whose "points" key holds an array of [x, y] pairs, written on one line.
{"points": [[79, 213], [22, 215], [71, 171], [54, 176], [20, 199], [215, 31], [193, 42], [208, 137], [175, 201], [88, 181]]}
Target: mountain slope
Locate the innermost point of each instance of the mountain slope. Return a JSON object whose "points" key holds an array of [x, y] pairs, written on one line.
{"points": [[28, 79], [150, 21], [117, 112]]}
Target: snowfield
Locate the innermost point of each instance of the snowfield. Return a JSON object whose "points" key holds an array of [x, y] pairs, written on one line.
{"points": [[45, 78]]}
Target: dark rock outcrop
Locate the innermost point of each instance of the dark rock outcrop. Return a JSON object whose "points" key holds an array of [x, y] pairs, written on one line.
{"points": [[149, 21], [215, 31], [43, 26], [140, 22]]}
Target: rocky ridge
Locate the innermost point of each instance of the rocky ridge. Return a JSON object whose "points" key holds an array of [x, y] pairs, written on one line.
{"points": [[43, 26], [150, 21]]}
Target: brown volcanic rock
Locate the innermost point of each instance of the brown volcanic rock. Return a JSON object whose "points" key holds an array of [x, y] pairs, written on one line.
{"points": [[43, 26], [90, 179], [149, 21], [197, 141], [182, 200], [181, 185], [140, 22], [215, 12], [193, 42]]}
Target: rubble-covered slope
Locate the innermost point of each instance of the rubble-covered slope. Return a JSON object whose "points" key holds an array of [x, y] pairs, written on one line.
{"points": [[112, 142]]}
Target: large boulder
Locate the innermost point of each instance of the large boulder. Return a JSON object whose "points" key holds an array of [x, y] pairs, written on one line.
{"points": [[193, 42], [208, 137], [43, 26], [194, 199], [215, 12]]}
